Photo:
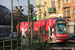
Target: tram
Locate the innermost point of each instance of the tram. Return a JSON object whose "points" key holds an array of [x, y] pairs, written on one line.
{"points": [[52, 30]]}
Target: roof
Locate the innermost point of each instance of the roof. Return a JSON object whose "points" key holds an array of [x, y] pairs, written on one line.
{"points": [[4, 26]]}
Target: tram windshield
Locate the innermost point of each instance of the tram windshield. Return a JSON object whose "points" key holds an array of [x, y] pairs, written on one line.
{"points": [[61, 28]]}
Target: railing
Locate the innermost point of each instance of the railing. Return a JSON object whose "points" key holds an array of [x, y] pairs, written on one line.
{"points": [[17, 44], [67, 18]]}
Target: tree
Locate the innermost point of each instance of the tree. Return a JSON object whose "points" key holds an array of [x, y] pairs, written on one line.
{"points": [[18, 13]]}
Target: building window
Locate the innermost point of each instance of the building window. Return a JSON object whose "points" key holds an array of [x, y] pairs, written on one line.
{"points": [[68, 13], [52, 3], [64, 1], [65, 13], [43, 29], [45, 2], [74, 13], [58, 3], [68, 1], [39, 2]]}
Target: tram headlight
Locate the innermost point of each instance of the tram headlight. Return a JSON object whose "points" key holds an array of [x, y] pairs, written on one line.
{"points": [[62, 37], [66, 36]]}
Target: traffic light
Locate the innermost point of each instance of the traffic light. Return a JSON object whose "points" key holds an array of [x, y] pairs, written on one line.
{"points": [[34, 17]]}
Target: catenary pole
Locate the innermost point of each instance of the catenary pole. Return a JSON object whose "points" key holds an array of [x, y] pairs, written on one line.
{"points": [[39, 11], [11, 22], [31, 24], [39, 20], [28, 26]]}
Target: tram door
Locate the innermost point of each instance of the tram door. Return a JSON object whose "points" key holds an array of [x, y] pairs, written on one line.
{"points": [[54, 37], [50, 32], [50, 35], [43, 29]]}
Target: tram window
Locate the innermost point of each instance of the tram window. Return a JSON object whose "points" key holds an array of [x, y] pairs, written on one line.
{"points": [[54, 29], [33, 29], [40, 30], [43, 29], [50, 31]]}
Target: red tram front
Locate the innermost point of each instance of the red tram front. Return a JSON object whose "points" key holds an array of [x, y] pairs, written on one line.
{"points": [[55, 31]]}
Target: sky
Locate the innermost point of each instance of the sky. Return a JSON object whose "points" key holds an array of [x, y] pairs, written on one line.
{"points": [[7, 3]]}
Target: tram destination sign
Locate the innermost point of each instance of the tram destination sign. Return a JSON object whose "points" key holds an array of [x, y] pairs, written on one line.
{"points": [[59, 22]]}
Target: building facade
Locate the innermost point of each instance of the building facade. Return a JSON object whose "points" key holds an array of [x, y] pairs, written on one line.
{"points": [[69, 13], [4, 15], [57, 8], [48, 9]]}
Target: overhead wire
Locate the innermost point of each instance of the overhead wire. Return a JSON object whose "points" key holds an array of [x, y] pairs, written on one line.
{"points": [[23, 2], [18, 2], [26, 7]]}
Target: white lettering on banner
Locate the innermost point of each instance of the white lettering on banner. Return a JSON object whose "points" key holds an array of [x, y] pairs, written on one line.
{"points": [[23, 30], [36, 29], [52, 29]]}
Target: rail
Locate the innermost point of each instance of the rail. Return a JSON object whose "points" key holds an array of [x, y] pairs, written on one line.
{"points": [[57, 46], [66, 48]]}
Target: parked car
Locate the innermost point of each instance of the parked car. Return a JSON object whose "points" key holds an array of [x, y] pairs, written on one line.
{"points": [[14, 35], [70, 36], [74, 36]]}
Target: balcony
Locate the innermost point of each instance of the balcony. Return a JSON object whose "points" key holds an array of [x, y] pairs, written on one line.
{"points": [[67, 18], [52, 10], [66, 7]]}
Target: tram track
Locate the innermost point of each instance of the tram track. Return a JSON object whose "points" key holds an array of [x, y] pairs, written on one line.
{"points": [[55, 46]]}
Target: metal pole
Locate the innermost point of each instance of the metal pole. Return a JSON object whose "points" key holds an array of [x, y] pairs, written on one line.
{"points": [[11, 22], [39, 11], [31, 27], [39, 20], [17, 44], [28, 26], [3, 44], [22, 43]]}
